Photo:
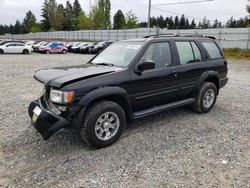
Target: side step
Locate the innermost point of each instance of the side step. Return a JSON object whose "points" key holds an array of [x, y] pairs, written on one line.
{"points": [[161, 108]]}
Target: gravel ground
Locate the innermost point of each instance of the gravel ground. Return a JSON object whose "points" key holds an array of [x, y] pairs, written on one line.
{"points": [[177, 148]]}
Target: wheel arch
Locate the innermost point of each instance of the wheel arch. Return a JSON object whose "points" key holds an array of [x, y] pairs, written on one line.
{"points": [[210, 76], [114, 94]]}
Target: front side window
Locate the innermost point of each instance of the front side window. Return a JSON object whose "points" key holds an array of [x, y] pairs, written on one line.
{"points": [[212, 49], [119, 54], [188, 52], [159, 53]]}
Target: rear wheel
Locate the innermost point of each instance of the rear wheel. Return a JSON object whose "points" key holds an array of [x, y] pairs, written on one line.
{"points": [[103, 124], [47, 52], [206, 98], [64, 52], [1, 51], [25, 51]]}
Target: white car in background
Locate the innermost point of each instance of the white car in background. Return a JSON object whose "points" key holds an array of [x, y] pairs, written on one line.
{"points": [[15, 48]]}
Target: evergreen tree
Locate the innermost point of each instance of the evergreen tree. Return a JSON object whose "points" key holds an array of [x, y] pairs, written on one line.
{"points": [[193, 24], [119, 20], [182, 22], [187, 26], [45, 14], [170, 23], [18, 27], [49, 14], [60, 18], [69, 16], [28, 22], [77, 9], [176, 22]]}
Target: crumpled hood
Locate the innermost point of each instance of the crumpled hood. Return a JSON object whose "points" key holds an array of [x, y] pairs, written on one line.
{"points": [[59, 77]]}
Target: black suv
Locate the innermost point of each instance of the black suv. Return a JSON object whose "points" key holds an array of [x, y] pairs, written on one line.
{"points": [[128, 80]]}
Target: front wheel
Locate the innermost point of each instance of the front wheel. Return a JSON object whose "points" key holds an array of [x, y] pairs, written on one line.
{"points": [[25, 51], [206, 98], [1, 51], [103, 124], [64, 52]]}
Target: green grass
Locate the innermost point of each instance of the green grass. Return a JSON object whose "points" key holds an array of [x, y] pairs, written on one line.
{"points": [[236, 53]]}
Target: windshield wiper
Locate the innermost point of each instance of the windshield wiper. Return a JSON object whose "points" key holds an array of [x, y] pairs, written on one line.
{"points": [[105, 64]]}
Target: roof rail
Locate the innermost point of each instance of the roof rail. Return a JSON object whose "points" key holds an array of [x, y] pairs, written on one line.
{"points": [[177, 35], [162, 34]]}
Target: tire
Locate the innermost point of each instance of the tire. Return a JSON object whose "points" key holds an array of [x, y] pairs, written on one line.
{"points": [[206, 98], [99, 116], [25, 51], [64, 52], [47, 52], [1, 51]]}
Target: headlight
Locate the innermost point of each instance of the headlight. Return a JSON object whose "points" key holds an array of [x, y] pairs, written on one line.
{"points": [[61, 97]]}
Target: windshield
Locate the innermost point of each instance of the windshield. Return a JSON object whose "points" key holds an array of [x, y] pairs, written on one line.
{"points": [[118, 54]]}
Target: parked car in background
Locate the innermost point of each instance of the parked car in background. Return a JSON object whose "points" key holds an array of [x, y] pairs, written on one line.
{"points": [[30, 42], [53, 47], [38, 45], [99, 47], [85, 49], [71, 45], [15, 47], [76, 48]]}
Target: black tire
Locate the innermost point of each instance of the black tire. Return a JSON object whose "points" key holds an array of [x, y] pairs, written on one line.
{"points": [[47, 52], [64, 51], [199, 105], [89, 125], [25, 51], [1, 51]]}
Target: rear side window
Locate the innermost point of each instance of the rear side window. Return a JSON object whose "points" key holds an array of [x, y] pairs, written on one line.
{"points": [[188, 52], [212, 49]]}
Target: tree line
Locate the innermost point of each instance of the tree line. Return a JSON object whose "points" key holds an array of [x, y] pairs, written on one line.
{"points": [[71, 16]]}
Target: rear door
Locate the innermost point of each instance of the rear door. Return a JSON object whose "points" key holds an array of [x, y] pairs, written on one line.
{"points": [[157, 86], [19, 48], [192, 64]]}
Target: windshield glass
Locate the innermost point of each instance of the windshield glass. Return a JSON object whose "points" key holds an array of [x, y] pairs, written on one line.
{"points": [[118, 54]]}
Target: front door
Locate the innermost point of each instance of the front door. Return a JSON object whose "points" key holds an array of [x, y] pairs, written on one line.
{"points": [[157, 86]]}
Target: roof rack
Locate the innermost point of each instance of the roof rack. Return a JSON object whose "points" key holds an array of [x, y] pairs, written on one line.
{"points": [[177, 35], [162, 34]]}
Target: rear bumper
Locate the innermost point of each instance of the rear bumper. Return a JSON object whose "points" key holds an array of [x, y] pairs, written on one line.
{"points": [[223, 82], [47, 123]]}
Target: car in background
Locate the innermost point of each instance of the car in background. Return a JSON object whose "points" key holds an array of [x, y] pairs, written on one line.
{"points": [[77, 48], [54, 47], [30, 42], [38, 45], [71, 45], [99, 47], [86, 48], [15, 48]]}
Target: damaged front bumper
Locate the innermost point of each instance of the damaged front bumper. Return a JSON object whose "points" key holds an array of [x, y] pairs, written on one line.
{"points": [[45, 121]]}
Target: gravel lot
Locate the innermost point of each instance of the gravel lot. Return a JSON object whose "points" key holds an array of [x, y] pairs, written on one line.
{"points": [[177, 148]]}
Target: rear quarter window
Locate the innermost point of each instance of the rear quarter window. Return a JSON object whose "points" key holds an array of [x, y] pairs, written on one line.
{"points": [[212, 50]]}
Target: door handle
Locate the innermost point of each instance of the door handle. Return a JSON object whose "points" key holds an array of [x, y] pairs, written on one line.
{"points": [[175, 73]]}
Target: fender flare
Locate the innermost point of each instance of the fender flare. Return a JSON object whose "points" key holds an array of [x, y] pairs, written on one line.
{"points": [[105, 92], [207, 75]]}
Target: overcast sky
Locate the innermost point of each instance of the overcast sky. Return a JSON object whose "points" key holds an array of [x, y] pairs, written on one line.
{"points": [[11, 10]]}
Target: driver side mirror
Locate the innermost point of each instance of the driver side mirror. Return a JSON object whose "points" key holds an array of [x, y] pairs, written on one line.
{"points": [[147, 65]]}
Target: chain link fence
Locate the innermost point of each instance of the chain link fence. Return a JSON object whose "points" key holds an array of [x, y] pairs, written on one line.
{"points": [[227, 37]]}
